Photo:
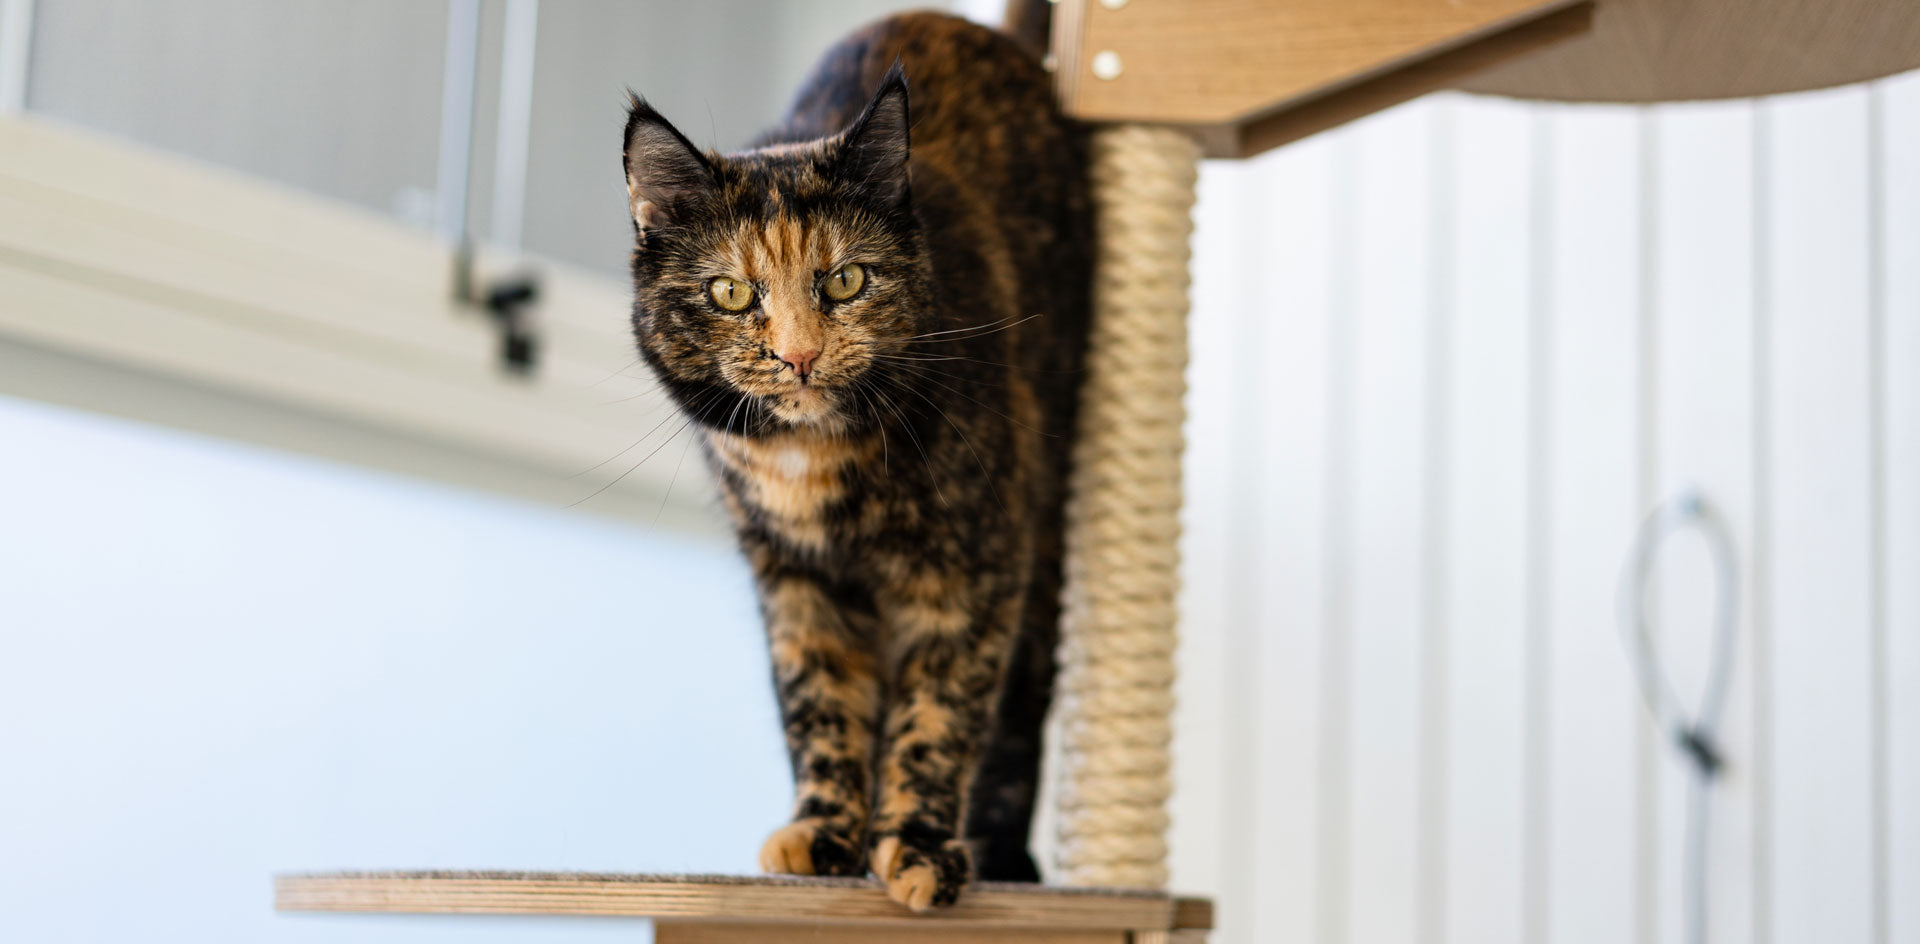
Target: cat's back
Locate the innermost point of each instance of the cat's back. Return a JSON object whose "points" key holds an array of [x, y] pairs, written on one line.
{"points": [[982, 105]]}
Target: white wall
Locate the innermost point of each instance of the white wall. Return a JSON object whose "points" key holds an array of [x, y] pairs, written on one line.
{"points": [[1443, 362], [219, 662]]}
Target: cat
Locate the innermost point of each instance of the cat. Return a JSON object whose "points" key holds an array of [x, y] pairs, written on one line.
{"points": [[876, 319]]}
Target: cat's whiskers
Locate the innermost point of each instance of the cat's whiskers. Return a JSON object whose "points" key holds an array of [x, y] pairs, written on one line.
{"points": [[629, 365], [879, 423], [636, 443], [761, 410], [737, 404], [930, 358], [644, 393], [923, 374], [711, 400], [983, 327], [630, 469], [676, 476], [913, 437], [984, 474]]}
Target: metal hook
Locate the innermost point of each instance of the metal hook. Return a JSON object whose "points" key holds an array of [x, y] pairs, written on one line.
{"points": [[1693, 734]]}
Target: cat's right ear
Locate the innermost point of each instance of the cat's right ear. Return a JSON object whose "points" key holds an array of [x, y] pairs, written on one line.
{"points": [[666, 174]]}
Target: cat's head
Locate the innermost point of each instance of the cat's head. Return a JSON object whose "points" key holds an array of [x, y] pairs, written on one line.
{"points": [[772, 286]]}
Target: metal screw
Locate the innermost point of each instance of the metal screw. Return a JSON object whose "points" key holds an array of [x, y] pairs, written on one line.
{"points": [[1113, 4], [1106, 64]]}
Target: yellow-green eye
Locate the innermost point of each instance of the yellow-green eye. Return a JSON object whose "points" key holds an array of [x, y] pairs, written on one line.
{"points": [[731, 294], [845, 282]]}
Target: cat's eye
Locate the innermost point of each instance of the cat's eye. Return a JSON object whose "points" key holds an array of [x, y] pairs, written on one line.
{"points": [[845, 282], [731, 294]]}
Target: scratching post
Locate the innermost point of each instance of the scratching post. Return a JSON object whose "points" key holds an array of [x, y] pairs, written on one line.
{"points": [[1123, 517]]}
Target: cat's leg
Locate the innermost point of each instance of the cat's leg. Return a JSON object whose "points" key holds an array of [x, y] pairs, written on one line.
{"points": [[948, 656], [1000, 806], [829, 693], [1000, 809]]}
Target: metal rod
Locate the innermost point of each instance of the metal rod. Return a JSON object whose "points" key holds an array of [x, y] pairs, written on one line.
{"points": [[456, 122], [16, 54], [514, 131]]}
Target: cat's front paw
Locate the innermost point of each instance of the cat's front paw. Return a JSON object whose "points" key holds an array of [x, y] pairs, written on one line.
{"points": [[922, 872], [811, 847]]}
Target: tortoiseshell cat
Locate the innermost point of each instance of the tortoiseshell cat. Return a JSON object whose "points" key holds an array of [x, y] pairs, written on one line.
{"points": [[879, 335]]}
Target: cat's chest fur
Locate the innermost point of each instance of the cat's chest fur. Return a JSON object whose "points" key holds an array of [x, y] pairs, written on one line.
{"points": [[798, 487]]}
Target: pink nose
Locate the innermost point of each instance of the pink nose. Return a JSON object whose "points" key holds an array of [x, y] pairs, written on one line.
{"points": [[801, 361]]}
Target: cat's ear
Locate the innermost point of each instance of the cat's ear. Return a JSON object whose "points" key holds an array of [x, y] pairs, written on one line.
{"points": [[873, 152], [665, 172]]}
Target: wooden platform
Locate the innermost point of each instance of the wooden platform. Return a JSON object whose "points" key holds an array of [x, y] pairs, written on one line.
{"points": [[720, 908], [1249, 75]]}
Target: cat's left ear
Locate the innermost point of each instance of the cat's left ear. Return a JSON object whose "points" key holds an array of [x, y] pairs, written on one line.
{"points": [[873, 152], [666, 175]]}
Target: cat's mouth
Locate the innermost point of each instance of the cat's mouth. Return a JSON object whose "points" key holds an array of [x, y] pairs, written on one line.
{"points": [[819, 401], [804, 404]]}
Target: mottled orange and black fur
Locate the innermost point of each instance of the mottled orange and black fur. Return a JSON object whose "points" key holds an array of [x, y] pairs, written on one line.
{"points": [[899, 501]]}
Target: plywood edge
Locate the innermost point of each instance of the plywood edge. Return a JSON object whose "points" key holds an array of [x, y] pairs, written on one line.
{"points": [[1192, 914], [1643, 51], [1066, 39], [856, 902], [1445, 68], [722, 932]]}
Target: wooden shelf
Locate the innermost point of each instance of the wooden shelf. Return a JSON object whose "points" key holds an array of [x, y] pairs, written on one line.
{"points": [[760, 907], [1249, 75], [1686, 50]]}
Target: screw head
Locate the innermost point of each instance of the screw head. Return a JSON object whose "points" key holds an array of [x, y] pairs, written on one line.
{"points": [[1106, 64]]}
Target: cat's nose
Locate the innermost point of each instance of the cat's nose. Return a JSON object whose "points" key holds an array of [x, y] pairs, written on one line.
{"points": [[800, 361]]}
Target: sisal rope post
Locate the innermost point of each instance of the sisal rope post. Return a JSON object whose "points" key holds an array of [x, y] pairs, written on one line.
{"points": [[1115, 686]]}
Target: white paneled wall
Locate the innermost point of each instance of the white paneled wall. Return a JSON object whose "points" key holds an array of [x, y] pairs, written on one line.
{"points": [[1898, 539], [1444, 360]]}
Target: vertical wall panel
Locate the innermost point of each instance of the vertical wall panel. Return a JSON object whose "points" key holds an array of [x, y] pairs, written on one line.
{"points": [[1436, 655], [1294, 258], [1535, 750], [1336, 554], [1703, 439], [1486, 517], [1214, 702], [1389, 325], [1900, 476], [1819, 516], [1246, 808], [1594, 454]]}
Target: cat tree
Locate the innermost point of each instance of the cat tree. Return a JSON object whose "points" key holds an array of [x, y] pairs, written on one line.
{"points": [[1171, 81]]}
